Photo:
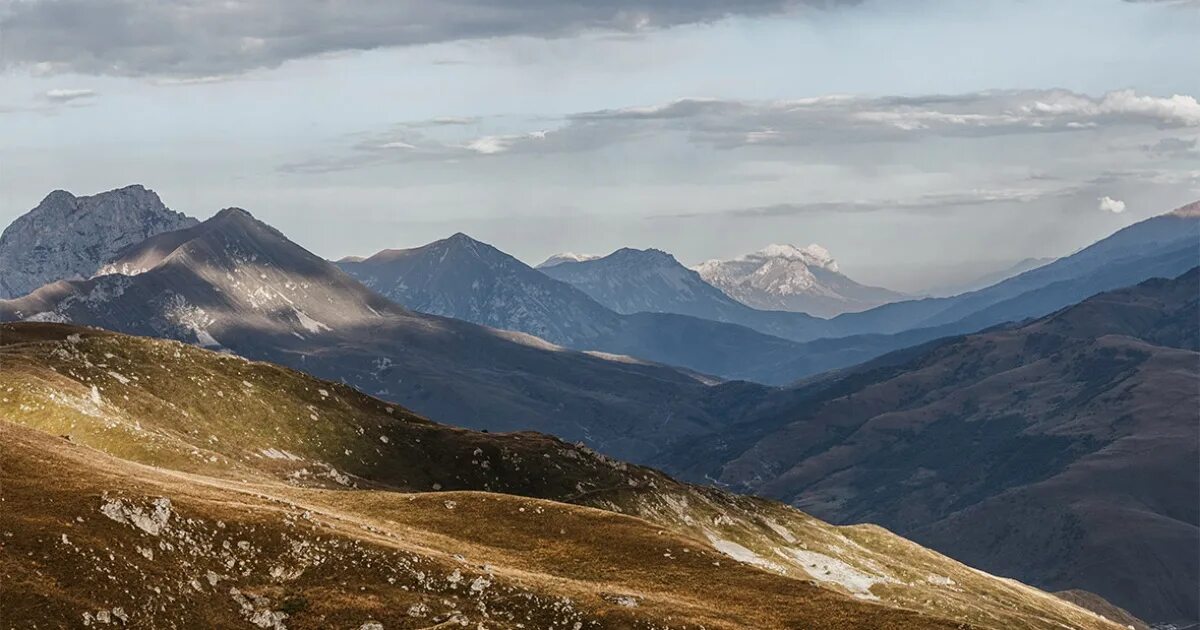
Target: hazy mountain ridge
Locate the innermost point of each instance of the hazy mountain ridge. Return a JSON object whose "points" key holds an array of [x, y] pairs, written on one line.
{"points": [[988, 279], [67, 237], [438, 523], [1175, 231], [1041, 451]]}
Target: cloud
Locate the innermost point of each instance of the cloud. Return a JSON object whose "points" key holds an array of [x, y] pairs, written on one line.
{"points": [[929, 202], [1108, 204], [826, 119], [193, 38], [68, 95], [823, 121]]}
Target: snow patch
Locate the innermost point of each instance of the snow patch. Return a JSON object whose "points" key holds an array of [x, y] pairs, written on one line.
{"points": [[309, 324], [275, 453], [741, 554], [831, 570]]}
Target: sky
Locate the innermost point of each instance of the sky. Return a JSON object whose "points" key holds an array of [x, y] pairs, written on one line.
{"points": [[922, 142]]}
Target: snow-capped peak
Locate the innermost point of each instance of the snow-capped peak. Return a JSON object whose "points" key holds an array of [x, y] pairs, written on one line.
{"points": [[791, 278], [564, 257], [814, 255]]}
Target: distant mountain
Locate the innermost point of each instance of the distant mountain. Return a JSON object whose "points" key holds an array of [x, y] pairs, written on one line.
{"points": [[236, 284], [466, 279], [1166, 246], [143, 475], [1061, 452], [646, 281], [652, 281], [988, 279], [558, 259], [67, 237], [789, 278]]}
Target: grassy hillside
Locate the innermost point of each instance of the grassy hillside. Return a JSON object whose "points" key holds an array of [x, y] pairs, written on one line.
{"points": [[135, 469]]}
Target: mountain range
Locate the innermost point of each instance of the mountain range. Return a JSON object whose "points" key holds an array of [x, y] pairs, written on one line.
{"points": [[919, 428], [466, 279], [150, 483], [235, 283]]}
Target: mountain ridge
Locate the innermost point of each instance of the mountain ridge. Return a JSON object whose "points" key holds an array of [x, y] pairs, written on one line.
{"points": [[1055, 435]]}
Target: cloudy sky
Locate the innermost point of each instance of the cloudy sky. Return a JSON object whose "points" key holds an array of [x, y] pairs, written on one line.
{"points": [[920, 141]]}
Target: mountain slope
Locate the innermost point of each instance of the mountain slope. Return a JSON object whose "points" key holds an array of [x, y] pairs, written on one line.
{"points": [[789, 278], [428, 524], [1061, 452], [67, 237], [236, 284]]}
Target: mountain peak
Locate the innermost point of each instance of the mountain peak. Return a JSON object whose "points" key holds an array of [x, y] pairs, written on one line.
{"points": [[644, 256], [565, 257], [68, 237], [234, 214], [784, 277], [56, 196], [814, 254]]}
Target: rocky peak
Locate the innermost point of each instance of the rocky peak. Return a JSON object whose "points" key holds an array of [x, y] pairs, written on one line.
{"points": [[67, 237]]}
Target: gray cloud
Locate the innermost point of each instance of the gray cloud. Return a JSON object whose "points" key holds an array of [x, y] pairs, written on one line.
{"points": [[1174, 148], [198, 38]]}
